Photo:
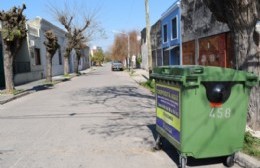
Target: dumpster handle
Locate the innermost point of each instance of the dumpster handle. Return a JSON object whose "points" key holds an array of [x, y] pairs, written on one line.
{"points": [[191, 81], [251, 80], [197, 70]]}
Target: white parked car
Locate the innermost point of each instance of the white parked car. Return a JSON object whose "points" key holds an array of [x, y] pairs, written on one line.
{"points": [[117, 65]]}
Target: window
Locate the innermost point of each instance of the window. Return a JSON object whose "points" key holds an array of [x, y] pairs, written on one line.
{"points": [[60, 59], [37, 56], [174, 28], [165, 33]]}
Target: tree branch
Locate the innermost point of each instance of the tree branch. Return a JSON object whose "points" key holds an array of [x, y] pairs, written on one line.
{"points": [[86, 26]]}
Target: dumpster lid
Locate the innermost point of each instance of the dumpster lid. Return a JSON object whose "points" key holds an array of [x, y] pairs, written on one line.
{"points": [[203, 73]]}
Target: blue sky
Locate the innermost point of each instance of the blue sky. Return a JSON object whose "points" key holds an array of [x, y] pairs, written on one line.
{"points": [[119, 15]]}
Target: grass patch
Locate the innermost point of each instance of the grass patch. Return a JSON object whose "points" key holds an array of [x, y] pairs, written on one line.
{"points": [[132, 73], [251, 146], [149, 84], [50, 84], [67, 76], [14, 92]]}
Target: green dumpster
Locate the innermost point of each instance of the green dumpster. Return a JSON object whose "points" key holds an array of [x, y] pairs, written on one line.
{"points": [[201, 110]]}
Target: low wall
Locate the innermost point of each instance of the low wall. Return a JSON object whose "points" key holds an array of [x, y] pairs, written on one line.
{"points": [[22, 78]]}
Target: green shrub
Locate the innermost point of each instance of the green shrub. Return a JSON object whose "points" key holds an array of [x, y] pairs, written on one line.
{"points": [[149, 84], [251, 145]]}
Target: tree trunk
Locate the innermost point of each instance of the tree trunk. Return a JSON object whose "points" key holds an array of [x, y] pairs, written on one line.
{"points": [[66, 65], [254, 102], [8, 69], [66, 61], [254, 109], [243, 44], [49, 68], [248, 59], [76, 65]]}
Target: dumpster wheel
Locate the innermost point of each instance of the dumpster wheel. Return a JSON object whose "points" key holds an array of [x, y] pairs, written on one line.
{"points": [[230, 161], [182, 161], [158, 143]]}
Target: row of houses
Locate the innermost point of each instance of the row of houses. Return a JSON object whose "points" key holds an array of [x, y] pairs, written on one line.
{"points": [[30, 62], [188, 34]]}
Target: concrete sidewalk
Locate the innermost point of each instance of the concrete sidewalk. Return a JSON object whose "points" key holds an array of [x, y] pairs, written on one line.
{"points": [[139, 75], [35, 86]]}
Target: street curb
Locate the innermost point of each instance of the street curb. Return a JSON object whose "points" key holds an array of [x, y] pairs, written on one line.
{"points": [[63, 79], [247, 161], [15, 97]]}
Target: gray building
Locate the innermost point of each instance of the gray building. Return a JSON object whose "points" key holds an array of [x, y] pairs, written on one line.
{"points": [[156, 41], [156, 46], [144, 50], [30, 64]]}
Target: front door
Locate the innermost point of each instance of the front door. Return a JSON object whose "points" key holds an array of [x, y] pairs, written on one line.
{"points": [[175, 56]]}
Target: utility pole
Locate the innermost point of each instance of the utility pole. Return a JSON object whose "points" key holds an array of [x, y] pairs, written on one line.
{"points": [[148, 38]]}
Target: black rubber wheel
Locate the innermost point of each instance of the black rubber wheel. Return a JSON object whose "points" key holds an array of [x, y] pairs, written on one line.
{"points": [[183, 161], [158, 143], [230, 161]]}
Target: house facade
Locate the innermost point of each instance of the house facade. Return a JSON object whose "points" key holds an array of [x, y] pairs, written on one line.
{"points": [[205, 41], [144, 50], [156, 41], [156, 47], [171, 35], [30, 62], [190, 35], [84, 61]]}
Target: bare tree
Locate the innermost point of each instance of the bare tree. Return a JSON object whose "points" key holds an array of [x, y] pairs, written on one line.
{"points": [[134, 43], [119, 49], [74, 36], [241, 18], [52, 45], [78, 49], [71, 18], [13, 32]]}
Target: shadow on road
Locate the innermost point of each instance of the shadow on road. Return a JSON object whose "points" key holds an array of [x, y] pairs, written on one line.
{"points": [[41, 87], [113, 92], [120, 97], [173, 153]]}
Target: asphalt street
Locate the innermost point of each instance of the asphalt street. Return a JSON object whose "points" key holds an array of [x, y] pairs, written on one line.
{"points": [[102, 119]]}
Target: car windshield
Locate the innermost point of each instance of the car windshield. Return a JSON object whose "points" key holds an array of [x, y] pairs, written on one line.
{"points": [[116, 61]]}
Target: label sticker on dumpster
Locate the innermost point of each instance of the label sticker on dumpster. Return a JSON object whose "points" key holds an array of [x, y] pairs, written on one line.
{"points": [[168, 109]]}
